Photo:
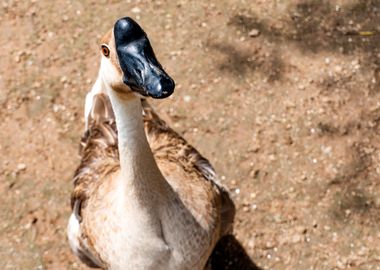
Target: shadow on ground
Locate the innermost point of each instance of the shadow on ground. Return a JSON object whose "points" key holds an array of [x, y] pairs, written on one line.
{"points": [[229, 254], [313, 27], [240, 61]]}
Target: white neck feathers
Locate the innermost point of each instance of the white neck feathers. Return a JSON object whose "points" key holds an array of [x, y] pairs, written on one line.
{"points": [[139, 171]]}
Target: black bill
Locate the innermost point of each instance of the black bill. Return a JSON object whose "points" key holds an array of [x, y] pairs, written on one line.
{"points": [[142, 72]]}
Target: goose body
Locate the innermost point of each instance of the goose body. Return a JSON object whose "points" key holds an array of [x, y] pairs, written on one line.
{"points": [[143, 197]]}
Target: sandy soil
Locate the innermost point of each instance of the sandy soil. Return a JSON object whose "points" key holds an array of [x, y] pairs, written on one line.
{"points": [[281, 96]]}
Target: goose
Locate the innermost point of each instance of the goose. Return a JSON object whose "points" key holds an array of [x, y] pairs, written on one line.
{"points": [[143, 197]]}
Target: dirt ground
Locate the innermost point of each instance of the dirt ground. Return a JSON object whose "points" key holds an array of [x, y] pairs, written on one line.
{"points": [[282, 96]]}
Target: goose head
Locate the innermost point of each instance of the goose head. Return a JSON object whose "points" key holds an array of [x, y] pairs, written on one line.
{"points": [[128, 63]]}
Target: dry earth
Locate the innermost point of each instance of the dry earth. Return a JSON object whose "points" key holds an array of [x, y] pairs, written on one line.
{"points": [[282, 96]]}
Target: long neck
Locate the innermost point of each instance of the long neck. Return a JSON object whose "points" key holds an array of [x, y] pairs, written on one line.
{"points": [[139, 171]]}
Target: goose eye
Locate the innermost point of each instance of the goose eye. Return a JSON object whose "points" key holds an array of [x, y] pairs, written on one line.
{"points": [[105, 50]]}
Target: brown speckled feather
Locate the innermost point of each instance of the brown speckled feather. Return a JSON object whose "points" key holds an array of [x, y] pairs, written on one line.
{"points": [[169, 147], [177, 160], [100, 157], [98, 149]]}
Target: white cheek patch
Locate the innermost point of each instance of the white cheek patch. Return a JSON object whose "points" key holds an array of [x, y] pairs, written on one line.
{"points": [[109, 72], [109, 75]]}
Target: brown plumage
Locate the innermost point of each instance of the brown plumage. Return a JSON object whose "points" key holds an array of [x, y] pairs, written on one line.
{"points": [[188, 173]]}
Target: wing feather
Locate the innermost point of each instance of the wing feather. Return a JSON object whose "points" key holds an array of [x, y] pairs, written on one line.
{"points": [[168, 144], [100, 157]]}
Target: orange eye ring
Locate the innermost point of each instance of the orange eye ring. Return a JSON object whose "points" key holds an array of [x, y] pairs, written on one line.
{"points": [[105, 50]]}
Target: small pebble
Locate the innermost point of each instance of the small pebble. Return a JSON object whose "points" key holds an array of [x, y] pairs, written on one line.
{"points": [[254, 33], [338, 69], [251, 243], [135, 10], [296, 238], [21, 167], [187, 98]]}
